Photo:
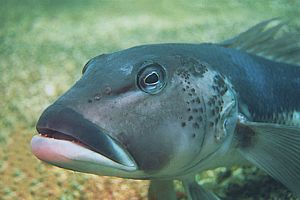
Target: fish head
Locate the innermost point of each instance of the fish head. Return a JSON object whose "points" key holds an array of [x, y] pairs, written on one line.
{"points": [[142, 113]]}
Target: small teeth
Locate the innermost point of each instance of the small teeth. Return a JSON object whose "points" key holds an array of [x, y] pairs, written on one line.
{"points": [[51, 137], [44, 135]]}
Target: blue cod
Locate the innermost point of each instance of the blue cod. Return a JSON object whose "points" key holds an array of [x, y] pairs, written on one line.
{"points": [[166, 112]]}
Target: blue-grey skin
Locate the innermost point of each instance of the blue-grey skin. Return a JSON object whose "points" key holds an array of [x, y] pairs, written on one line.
{"points": [[167, 111]]}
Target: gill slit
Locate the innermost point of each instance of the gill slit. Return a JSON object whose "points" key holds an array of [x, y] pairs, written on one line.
{"points": [[205, 122]]}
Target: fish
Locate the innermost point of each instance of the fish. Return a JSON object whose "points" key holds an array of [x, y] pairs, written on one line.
{"points": [[165, 112]]}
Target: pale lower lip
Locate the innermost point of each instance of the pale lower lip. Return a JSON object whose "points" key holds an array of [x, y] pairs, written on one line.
{"points": [[63, 151], [51, 150]]}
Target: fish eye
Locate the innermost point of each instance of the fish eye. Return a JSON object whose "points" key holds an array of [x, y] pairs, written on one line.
{"points": [[151, 78]]}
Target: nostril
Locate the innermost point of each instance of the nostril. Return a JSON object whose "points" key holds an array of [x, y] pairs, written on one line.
{"points": [[97, 97]]}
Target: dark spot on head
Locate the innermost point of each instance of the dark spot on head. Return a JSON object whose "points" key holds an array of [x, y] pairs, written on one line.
{"points": [[189, 109], [195, 125], [219, 102], [183, 89], [195, 110], [90, 100], [194, 135], [198, 100], [200, 118], [219, 80], [211, 124], [222, 92], [190, 118], [211, 101], [201, 110], [198, 69], [190, 94], [183, 124], [213, 112], [216, 120], [193, 90]]}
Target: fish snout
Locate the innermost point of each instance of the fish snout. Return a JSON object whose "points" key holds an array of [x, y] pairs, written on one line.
{"points": [[62, 123]]}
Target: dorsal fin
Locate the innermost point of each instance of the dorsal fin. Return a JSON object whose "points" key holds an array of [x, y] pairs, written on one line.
{"points": [[271, 39]]}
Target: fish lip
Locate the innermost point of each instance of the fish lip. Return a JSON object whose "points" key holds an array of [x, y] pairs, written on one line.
{"points": [[53, 134], [70, 155], [63, 123]]}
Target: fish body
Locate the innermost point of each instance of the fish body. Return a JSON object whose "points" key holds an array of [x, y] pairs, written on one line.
{"points": [[167, 111]]}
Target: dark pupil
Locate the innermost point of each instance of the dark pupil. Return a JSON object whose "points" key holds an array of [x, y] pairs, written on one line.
{"points": [[152, 78]]}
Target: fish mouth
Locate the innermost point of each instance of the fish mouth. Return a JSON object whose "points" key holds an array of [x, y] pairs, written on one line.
{"points": [[68, 140]]}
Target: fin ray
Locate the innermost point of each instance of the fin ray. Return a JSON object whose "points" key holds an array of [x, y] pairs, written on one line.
{"points": [[275, 149], [269, 39]]}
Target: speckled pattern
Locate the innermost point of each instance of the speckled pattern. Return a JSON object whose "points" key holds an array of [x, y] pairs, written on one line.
{"points": [[204, 108], [193, 97]]}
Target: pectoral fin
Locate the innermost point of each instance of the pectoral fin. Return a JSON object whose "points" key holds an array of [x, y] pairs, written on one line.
{"points": [[196, 192], [273, 148], [161, 190]]}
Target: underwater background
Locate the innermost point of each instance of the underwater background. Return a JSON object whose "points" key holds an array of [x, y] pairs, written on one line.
{"points": [[43, 47]]}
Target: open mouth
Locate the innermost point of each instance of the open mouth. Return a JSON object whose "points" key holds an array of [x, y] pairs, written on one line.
{"points": [[51, 134], [66, 136]]}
